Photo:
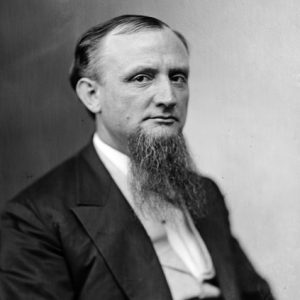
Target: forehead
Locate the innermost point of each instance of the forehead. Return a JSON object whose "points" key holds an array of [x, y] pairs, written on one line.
{"points": [[161, 46]]}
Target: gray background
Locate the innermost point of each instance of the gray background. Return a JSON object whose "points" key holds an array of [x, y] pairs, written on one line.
{"points": [[243, 125]]}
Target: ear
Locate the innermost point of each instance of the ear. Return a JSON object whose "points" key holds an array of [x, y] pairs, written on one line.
{"points": [[88, 92]]}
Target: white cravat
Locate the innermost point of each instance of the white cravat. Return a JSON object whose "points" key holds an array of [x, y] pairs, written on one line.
{"points": [[182, 236]]}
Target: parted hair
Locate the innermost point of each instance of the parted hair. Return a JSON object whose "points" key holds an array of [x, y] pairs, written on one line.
{"points": [[86, 56]]}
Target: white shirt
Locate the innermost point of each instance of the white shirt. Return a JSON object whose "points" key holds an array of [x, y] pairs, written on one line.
{"points": [[182, 235]]}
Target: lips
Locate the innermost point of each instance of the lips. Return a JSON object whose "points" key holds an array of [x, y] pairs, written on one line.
{"points": [[164, 118]]}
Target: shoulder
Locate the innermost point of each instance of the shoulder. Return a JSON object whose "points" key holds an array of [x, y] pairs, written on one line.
{"points": [[215, 201], [62, 181], [211, 187], [53, 184], [48, 197]]}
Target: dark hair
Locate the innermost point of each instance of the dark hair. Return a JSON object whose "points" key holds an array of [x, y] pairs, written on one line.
{"points": [[85, 58]]}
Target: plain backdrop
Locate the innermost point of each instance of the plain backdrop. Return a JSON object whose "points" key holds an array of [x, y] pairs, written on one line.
{"points": [[243, 123]]}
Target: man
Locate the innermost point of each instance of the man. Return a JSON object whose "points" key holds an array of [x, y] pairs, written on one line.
{"points": [[128, 217]]}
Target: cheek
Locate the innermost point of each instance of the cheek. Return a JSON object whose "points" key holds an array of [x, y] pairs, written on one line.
{"points": [[130, 106], [183, 103], [124, 114], [115, 105]]}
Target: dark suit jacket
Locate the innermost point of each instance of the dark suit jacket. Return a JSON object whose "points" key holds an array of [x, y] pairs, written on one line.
{"points": [[72, 235]]}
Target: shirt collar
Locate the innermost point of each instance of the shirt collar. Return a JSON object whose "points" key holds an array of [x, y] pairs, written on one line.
{"points": [[106, 152]]}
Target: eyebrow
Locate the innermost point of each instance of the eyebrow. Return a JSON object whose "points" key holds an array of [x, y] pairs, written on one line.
{"points": [[143, 69], [184, 70]]}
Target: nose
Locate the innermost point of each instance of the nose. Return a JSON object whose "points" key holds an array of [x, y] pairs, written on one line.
{"points": [[165, 94]]}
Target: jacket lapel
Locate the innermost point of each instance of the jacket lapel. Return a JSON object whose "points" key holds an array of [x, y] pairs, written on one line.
{"points": [[217, 241], [117, 233]]}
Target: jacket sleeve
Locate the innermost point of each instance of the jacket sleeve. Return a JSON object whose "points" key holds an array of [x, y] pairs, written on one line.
{"points": [[32, 264], [251, 284]]}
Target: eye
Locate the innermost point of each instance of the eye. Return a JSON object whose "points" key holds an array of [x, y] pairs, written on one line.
{"points": [[142, 78], [179, 78]]}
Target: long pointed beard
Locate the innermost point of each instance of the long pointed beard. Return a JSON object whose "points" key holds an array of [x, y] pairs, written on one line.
{"points": [[163, 176]]}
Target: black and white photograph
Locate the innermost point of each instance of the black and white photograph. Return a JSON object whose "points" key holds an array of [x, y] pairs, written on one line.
{"points": [[149, 150]]}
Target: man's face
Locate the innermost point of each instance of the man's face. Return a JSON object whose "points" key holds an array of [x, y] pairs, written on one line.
{"points": [[144, 86]]}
